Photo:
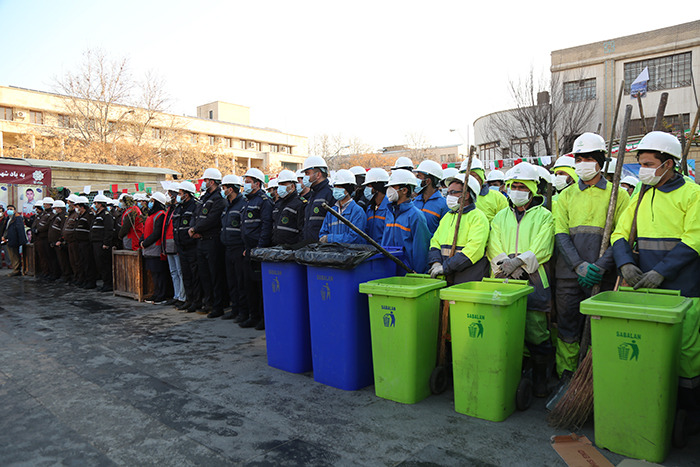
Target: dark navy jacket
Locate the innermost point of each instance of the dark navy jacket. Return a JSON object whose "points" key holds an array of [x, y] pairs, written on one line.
{"points": [[208, 222], [257, 220], [183, 218], [231, 222], [314, 212]]}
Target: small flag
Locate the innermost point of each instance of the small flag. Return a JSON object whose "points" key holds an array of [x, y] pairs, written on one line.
{"points": [[198, 185], [115, 188], [500, 163], [140, 186], [87, 189], [517, 161], [451, 165], [148, 190], [444, 166], [639, 85], [125, 190], [137, 186]]}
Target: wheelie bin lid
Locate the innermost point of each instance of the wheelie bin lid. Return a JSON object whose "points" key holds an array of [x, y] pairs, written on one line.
{"points": [[661, 306], [408, 286], [499, 292]]}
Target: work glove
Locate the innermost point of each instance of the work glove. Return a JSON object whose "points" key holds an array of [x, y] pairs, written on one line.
{"points": [[649, 280], [435, 270], [631, 273], [508, 266], [589, 273], [323, 239]]}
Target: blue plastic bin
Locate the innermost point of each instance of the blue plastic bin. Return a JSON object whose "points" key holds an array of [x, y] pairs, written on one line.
{"points": [[341, 345], [286, 304]]}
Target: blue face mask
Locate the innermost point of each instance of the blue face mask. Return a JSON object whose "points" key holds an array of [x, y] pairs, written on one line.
{"points": [[300, 188], [495, 188], [178, 199], [338, 193], [282, 191], [122, 205], [150, 205], [368, 192], [223, 194], [247, 188], [419, 188], [10, 212], [306, 181]]}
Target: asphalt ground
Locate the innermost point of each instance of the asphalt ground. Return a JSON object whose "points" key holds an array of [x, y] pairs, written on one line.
{"points": [[92, 379]]}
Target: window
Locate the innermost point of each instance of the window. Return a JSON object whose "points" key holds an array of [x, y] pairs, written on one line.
{"points": [[671, 123], [243, 144], [488, 151], [581, 90], [63, 121], [212, 140], [5, 113], [671, 71], [193, 138], [520, 147], [286, 149], [274, 148], [254, 145], [36, 117], [211, 115], [157, 133], [293, 166], [227, 142]]}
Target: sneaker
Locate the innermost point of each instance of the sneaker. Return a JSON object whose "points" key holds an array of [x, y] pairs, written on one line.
{"points": [[171, 302]]}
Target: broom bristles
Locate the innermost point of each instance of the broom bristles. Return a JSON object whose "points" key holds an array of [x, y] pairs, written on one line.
{"points": [[576, 405]]}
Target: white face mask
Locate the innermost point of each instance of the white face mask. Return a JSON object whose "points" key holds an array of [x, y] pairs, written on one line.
{"points": [[561, 182], [647, 175], [587, 170], [519, 198], [392, 195], [452, 202]]}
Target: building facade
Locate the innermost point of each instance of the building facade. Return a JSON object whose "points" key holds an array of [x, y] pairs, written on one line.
{"points": [[590, 77], [219, 127]]}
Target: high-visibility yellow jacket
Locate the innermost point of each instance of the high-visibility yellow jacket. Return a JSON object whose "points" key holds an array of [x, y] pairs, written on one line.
{"points": [[530, 237], [490, 202], [668, 234], [579, 221], [469, 262]]}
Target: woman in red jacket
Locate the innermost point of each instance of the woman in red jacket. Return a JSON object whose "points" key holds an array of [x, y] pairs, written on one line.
{"points": [[151, 245]]}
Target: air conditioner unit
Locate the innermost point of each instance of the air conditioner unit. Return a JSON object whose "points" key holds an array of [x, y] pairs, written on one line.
{"points": [[20, 114]]}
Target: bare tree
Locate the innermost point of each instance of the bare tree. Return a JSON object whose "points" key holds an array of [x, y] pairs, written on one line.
{"points": [[151, 101], [416, 142]]}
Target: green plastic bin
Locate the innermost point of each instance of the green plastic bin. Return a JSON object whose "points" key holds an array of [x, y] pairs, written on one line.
{"points": [[404, 313], [635, 337], [487, 324]]}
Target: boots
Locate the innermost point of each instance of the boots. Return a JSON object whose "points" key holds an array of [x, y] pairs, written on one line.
{"points": [[540, 374]]}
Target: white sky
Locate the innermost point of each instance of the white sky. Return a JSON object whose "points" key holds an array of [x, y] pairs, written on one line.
{"points": [[376, 70]]}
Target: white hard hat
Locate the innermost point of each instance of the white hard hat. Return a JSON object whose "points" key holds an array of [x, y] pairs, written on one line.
{"points": [[525, 171], [231, 180], [274, 183], [474, 187], [344, 177], [122, 196], [114, 202], [542, 172], [430, 168], [82, 200], [611, 165], [58, 204], [72, 198], [662, 142], [449, 172], [314, 162], [256, 174], [47, 200], [100, 199], [212, 174], [565, 161], [160, 197], [357, 170], [589, 142], [476, 164], [495, 176], [287, 176], [402, 177], [300, 173], [173, 186], [509, 173], [188, 186], [375, 175], [630, 180], [403, 163]]}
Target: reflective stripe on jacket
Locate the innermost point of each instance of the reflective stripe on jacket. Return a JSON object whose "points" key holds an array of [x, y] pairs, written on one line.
{"points": [[408, 229], [377, 218], [434, 209]]}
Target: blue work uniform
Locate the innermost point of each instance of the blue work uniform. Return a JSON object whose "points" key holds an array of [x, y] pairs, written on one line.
{"points": [[377, 218], [409, 229], [340, 233], [433, 209]]}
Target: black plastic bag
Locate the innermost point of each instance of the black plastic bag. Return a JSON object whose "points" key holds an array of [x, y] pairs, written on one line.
{"points": [[273, 254], [335, 255]]}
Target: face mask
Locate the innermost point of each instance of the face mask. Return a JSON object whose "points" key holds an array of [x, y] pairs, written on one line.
{"points": [[444, 192], [338, 193], [392, 195], [495, 188], [282, 191], [368, 193], [420, 187], [223, 193], [300, 188], [93, 207], [561, 182], [586, 170], [452, 202], [150, 205], [247, 188], [647, 175], [10, 212], [306, 181], [519, 198], [55, 211], [178, 199]]}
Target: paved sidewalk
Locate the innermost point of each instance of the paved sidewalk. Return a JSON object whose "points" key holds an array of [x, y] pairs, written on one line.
{"points": [[92, 379]]}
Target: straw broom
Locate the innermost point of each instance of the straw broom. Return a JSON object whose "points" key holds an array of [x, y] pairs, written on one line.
{"points": [[576, 405]]}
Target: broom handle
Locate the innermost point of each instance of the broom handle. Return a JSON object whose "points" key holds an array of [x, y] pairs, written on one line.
{"points": [[689, 142]]}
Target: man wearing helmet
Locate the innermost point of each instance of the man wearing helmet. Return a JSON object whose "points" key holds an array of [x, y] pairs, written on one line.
{"points": [[232, 240], [210, 251], [60, 265], [359, 196], [87, 269], [288, 212], [429, 200], [580, 213], [488, 201], [378, 214], [183, 219], [101, 232], [469, 261], [520, 247], [332, 229], [316, 174]]}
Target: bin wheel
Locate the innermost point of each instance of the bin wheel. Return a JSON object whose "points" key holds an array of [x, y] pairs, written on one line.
{"points": [[438, 380], [680, 438], [523, 396]]}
